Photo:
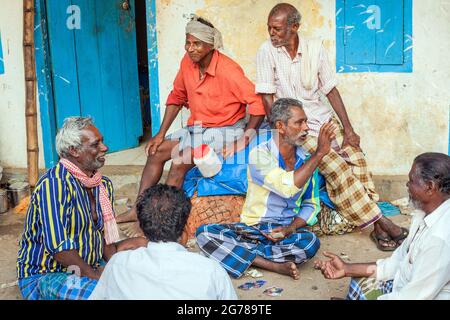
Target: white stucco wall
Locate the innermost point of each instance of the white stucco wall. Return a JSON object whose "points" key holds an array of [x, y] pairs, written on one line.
{"points": [[13, 145], [397, 115]]}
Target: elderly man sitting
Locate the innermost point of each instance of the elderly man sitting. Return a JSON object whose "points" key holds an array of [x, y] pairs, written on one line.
{"points": [[282, 198], [70, 224], [420, 267]]}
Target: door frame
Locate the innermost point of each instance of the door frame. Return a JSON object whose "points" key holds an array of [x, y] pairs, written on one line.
{"points": [[44, 77]]}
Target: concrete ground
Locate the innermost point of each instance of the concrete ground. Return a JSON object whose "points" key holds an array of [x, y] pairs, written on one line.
{"points": [[355, 247]]}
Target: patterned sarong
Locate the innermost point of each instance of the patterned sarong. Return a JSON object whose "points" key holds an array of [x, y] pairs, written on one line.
{"points": [[368, 289], [349, 182], [56, 286], [236, 245]]}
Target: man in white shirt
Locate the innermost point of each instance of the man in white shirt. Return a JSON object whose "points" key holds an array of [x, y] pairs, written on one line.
{"points": [[290, 66], [420, 267], [164, 269]]}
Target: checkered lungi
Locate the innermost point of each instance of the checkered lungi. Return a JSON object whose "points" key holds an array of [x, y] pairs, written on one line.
{"points": [[216, 138], [56, 286], [348, 181], [368, 288], [236, 245]]}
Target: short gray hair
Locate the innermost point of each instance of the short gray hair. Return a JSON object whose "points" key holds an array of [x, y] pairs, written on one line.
{"points": [[281, 110], [69, 136], [293, 15], [433, 166]]}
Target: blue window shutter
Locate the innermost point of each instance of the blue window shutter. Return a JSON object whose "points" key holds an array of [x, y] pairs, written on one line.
{"points": [[389, 39], [359, 40], [2, 65]]}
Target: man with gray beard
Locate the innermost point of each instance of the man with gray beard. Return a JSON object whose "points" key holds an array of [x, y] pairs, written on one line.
{"points": [[420, 267], [282, 199]]}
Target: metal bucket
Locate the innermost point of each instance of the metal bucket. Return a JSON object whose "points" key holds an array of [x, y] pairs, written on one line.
{"points": [[19, 190], [4, 205]]}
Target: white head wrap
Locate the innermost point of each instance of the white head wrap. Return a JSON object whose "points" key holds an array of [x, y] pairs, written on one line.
{"points": [[204, 33]]}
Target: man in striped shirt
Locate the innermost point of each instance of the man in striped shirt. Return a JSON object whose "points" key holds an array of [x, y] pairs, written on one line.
{"points": [[282, 199], [292, 67], [70, 226]]}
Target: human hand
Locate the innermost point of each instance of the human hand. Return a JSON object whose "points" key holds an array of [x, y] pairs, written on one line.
{"points": [[132, 243], [235, 146], [326, 135], [153, 144], [94, 274], [333, 268], [350, 138], [279, 233]]}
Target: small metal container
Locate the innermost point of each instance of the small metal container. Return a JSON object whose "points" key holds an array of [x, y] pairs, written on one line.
{"points": [[19, 190], [4, 205]]}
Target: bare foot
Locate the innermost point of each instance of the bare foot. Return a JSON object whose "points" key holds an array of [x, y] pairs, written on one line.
{"points": [[389, 227], [383, 237], [130, 216], [290, 269], [287, 268]]}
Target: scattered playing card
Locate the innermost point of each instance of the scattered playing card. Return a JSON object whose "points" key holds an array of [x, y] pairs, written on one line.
{"points": [[247, 286], [259, 283], [273, 291]]}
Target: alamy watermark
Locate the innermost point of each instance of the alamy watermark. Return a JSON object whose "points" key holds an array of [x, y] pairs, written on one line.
{"points": [[74, 19]]}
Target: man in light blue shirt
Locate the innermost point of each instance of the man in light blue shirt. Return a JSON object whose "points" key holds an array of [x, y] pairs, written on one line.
{"points": [[282, 199]]}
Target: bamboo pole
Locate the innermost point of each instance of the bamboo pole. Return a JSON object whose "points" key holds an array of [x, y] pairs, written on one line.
{"points": [[30, 92]]}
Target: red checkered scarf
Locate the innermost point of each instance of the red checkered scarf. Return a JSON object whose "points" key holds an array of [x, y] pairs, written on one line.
{"points": [[111, 231]]}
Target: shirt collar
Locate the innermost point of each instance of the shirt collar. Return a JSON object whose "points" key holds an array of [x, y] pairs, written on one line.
{"points": [[171, 246], [434, 216], [211, 70], [213, 64], [283, 48]]}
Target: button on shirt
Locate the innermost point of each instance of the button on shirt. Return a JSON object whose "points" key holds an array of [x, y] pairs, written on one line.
{"points": [[163, 270], [272, 195], [220, 97], [277, 73], [420, 267]]}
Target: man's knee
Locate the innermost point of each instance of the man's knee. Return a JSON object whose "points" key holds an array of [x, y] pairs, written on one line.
{"points": [[313, 245], [200, 230], [204, 229]]}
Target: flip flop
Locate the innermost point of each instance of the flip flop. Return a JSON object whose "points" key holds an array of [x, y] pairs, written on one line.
{"points": [[402, 236], [376, 238]]}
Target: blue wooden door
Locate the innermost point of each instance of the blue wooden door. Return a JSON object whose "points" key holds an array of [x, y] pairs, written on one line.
{"points": [[94, 66]]}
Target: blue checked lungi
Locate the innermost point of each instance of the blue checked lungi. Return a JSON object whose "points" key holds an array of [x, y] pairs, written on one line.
{"points": [[56, 286], [236, 245], [368, 288]]}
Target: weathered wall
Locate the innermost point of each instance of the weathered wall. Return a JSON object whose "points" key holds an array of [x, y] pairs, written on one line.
{"points": [[13, 146], [397, 115]]}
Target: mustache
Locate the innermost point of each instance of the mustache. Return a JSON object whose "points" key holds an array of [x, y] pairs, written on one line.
{"points": [[302, 134]]}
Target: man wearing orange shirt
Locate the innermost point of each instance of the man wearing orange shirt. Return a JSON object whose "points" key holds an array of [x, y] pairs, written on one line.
{"points": [[216, 91]]}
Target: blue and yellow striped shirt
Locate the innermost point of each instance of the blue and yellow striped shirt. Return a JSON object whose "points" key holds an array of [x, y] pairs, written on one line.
{"points": [[272, 195], [59, 218]]}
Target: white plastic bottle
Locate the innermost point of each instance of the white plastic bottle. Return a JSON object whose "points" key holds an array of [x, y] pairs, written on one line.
{"points": [[207, 161]]}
